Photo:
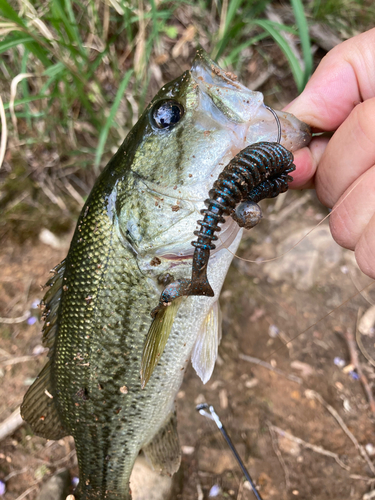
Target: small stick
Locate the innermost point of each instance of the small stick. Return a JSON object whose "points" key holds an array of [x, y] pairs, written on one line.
{"points": [[349, 337], [25, 493], [259, 362], [362, 348], [18, 359], [209, 412], [314, 395], [20, 319], [280, 458], [313, 447], [11, 424], [15, 473], [370, 480]]}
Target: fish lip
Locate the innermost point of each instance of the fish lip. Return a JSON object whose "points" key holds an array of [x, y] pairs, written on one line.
{"points": [[205, 70], [295, 134], [228, 95]]}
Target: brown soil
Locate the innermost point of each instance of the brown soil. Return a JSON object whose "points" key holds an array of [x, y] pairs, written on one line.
{"points": [[264, 307]]}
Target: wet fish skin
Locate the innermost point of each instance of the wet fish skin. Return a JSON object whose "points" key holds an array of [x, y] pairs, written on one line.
{"points": [[128, 236]]}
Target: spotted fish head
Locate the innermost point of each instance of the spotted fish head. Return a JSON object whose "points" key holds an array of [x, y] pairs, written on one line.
{"points": [[197, 123]]}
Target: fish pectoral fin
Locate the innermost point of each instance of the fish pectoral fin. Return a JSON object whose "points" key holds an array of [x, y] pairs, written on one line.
{"points": [[39, 408], [204, 354], [164, 450], [156, 339]]}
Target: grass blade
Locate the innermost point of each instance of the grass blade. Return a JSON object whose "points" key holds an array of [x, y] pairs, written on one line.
{"points": [[303, 31], [13, 42], [10, 14], [111, 116], [229, 60], [297, 72]]}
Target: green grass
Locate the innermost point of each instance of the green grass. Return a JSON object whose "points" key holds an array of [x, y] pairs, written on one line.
{"points": [[68, 46], [94, 65]]}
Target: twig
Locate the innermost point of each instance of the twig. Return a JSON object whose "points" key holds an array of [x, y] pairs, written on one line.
{"points": [[199, 491], [64, 459], [16, 473], [19, 319], [370, 480], [19, 359], [11, 424], [25, 493], [4, 132], [313, 447], [240, 489], [259, 362], [291, 208], [358, 338], [280, 458], [314, 395], [349, 337], [5, 353]]}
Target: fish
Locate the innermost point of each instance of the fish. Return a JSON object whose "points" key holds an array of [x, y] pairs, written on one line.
{"points": [[133, 238]]}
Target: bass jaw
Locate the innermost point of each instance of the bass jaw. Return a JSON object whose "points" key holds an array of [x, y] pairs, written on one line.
{"points": [[245, 108]]}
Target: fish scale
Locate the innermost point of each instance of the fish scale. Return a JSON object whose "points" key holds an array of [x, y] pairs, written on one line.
{"points": [[132, 237]]}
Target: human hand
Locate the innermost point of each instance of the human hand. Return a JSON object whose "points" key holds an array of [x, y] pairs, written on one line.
{"points": [[340, 97]]}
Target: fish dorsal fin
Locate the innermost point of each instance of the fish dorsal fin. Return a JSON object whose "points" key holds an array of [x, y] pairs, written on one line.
{"points": [[51, 304], [156, 339], [39, 407], [204, 354], [164, 451]]}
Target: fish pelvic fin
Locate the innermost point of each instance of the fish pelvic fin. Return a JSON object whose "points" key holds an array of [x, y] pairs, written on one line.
{"points": [[156, 339], [39, 407], [205, 350], [164, 452]]}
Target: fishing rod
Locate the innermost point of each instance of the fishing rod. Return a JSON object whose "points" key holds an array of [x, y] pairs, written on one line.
{"points": [[208, 411]]}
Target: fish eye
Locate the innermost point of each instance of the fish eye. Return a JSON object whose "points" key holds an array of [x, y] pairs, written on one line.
{"points": [[165, 114]]}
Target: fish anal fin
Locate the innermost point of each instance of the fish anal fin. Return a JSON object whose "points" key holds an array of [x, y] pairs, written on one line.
{"points": [[164, 451], [205, 350], [39, 408]]}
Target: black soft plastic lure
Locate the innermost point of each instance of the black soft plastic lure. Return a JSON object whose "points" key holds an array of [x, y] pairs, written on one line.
{"points": [[259, 171]]}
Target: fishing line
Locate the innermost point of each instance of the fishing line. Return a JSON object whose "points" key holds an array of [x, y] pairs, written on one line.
{"points": [[299, 241]]}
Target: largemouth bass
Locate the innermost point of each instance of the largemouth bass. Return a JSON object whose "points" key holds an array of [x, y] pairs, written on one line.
{"points": [[133, 233]]}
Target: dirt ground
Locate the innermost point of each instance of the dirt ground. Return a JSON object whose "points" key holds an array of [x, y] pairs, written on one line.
{"points": [[301, 420]]}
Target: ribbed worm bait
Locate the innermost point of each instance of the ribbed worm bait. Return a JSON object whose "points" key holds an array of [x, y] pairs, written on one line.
{"points": [[259, 171]]}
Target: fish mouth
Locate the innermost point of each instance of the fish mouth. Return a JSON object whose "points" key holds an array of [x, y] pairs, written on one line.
{"points": [[250, 119], [295, 134], [238, 103]]}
